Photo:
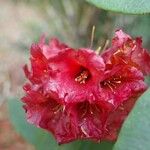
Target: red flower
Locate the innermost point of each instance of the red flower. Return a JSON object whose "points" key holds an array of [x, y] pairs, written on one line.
{"points": [[122, 85], [126, 48], [77, 94], [126, 62]]}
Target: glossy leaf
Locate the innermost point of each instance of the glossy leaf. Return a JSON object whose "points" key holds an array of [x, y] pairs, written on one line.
{"points": [[124, 6], [135, 133]]}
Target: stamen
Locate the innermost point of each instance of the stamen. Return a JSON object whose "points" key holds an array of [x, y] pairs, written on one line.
{"points": [[92, 36], [123, 60], [105, 45], [118, 82], [109, 86], [118, 51], [57, 108], [91, 110], [82, 77], [83, 130], [98, 50], [85, 109], [112, 83], [63, 109], [102, 48]]}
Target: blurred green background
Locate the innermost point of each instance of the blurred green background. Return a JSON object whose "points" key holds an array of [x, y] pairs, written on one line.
{"points": [[23, 21]]}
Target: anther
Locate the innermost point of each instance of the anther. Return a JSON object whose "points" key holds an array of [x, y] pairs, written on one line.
{"points": [[82, 77], [112, 83]]}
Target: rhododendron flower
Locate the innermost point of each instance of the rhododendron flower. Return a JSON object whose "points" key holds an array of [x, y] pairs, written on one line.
{"points": [[125, 48], [78, 94]]}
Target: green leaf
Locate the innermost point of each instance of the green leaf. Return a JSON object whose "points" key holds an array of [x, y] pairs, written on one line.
{"points": [[17, 117], [147, 80], [135, 133], [40, 138], [124, 6]]}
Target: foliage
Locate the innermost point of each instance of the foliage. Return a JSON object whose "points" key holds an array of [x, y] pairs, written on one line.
{"points": [[124, 6]]}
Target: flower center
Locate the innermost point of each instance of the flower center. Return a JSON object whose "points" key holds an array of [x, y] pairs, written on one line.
{"points": [[83, 76], [85, 109], [112, 83]]}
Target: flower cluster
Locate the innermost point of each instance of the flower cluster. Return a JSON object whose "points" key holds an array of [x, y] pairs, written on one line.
{"points": [[78, 94]]}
